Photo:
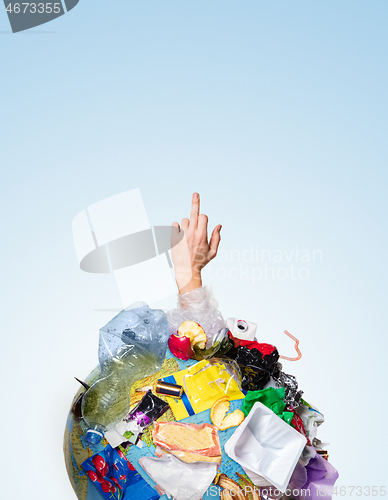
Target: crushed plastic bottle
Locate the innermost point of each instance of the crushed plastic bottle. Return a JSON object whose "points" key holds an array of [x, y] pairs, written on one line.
{"points": [[132, 346]]}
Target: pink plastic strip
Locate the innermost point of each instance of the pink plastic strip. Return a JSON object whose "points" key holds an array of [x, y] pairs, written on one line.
{"points": [[296, 348]]}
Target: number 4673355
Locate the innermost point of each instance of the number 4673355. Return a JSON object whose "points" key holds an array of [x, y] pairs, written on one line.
{"points": [[33, 8], [358, 491]]}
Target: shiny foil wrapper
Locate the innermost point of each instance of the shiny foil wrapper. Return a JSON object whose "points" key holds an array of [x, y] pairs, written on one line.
{"points": [[292, 395]]}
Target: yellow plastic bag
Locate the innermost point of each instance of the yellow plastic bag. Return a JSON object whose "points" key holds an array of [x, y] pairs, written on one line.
{"points": [[203, 384]]}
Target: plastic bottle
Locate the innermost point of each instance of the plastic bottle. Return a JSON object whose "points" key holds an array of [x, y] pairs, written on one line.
{"points": [[132, 346]]}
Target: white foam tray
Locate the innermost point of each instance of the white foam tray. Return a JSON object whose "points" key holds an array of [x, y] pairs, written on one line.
{"points": [[266, 445]]}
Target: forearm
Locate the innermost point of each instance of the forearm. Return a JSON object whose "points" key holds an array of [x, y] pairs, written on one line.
{"points": [[187, 283]]}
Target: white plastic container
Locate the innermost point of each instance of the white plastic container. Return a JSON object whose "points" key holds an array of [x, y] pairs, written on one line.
{"points": [[241, 329], [267, 446]]}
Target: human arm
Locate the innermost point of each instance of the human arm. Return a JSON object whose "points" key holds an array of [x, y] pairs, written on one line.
{"points": [[195, 249]]}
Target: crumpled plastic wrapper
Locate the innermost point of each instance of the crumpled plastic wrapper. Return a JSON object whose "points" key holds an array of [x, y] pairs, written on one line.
{"points": [[292, 395], [132, 346], [150, 408], [319, 445], [312, 419], [255, 366], [204, 383], [115, 477], [271, 398], [190, 442], [316, 479], [139, 418], [308, 453], [180, 480], [198, 305], [231, 367]]}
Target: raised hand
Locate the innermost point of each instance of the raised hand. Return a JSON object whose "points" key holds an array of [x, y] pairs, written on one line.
{"points": [[194, 250]]}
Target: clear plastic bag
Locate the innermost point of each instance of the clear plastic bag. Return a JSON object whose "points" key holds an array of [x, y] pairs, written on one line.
{"points": [[180, 480], [189, 442], [198, 305], [132, 346], [229, 366]]}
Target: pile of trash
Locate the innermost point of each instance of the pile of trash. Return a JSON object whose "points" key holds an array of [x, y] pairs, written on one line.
{"points": [[218, 415]]}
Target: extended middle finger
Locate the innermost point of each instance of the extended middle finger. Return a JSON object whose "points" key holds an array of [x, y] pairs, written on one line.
{"points": [[194, 211]]}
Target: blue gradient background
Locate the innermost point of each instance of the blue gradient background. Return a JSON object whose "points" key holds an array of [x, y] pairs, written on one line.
{"points": [[276, 112]]}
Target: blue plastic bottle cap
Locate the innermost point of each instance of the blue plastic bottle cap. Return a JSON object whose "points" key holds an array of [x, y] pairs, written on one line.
{"points": [[93, 436]]}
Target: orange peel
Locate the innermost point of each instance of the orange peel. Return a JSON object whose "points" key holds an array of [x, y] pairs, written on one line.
{"points": [[219, 410], [220, 418], [232, 420]]}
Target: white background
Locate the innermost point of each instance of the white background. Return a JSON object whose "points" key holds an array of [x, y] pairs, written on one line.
{"points": [[276, 113]]}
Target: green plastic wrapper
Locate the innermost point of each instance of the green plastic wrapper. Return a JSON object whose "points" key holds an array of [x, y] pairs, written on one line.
{"points": [[271, 398]]}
